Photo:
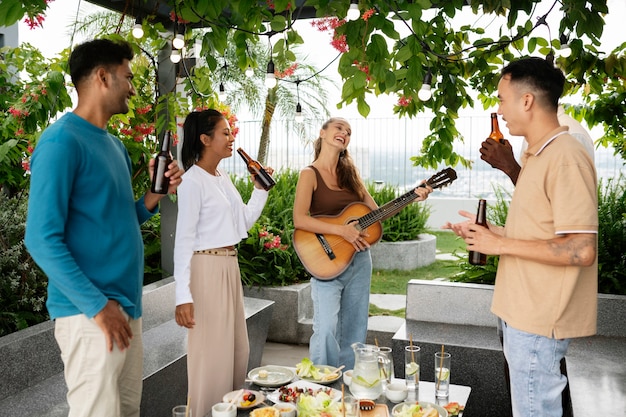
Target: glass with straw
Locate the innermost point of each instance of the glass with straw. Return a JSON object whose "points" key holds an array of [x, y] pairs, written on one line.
{"points": [[442, 374], [412, 366]]}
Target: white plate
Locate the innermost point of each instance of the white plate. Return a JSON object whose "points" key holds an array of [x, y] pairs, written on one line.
{"points": [[276, 376], [258, 400], [274, 396], [322, 369], [398, 407]]}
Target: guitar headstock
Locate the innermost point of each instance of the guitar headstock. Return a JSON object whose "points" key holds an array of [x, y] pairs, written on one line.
{"points": [[442, 178]]}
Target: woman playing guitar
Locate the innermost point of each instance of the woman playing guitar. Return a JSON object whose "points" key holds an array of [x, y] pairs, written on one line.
{"points": [[325, 188]]}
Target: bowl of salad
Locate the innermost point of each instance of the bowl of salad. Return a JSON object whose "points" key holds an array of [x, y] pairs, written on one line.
{"points": [[418, 409]]}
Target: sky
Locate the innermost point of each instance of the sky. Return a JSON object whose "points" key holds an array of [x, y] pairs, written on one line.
{"points": [[61, 14]]}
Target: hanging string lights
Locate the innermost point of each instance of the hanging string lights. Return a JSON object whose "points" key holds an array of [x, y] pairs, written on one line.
{"points": [[299, 115], [425, 93], [137, 30], [353, 11]]}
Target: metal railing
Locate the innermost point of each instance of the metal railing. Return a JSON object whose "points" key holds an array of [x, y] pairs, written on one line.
{"points": [[382, 148]]}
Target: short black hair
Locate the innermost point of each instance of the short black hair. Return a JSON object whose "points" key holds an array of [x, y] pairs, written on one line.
{"points": [[542, 77], [96, 53]]}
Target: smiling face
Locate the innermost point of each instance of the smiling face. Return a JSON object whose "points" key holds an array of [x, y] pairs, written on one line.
{"points": [[121, 89], [220, 144], [513, 105], [337, 133]]}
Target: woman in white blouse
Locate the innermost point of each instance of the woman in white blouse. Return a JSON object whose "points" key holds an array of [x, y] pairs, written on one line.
{"points": [[212, 219]]}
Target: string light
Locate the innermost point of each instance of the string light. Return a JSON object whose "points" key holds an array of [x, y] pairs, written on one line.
{"points": [[270, 77], [179, 41], [353, 12], [299, 115], [565, 51], [175, 56], [249, 71], [137, 30], [222, 92], [425, 93]]}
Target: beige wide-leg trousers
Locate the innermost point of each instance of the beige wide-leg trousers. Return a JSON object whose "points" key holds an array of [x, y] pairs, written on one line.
{"points": [[218, 349]]}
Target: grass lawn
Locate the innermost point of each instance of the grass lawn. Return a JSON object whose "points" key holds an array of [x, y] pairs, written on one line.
{"points": [[395, 281]]}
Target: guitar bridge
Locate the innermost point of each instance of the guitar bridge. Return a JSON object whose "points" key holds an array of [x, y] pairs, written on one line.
{"points": [[329, 251]]}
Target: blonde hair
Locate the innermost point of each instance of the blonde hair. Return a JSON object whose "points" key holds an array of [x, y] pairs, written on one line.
{"points": [[347, 174]]}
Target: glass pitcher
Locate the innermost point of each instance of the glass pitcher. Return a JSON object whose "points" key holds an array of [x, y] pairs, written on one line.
{"points": [[366, 382]]}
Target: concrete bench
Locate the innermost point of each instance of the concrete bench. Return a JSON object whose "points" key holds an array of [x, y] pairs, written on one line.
{"points": [[458, 316], [32, 383]]}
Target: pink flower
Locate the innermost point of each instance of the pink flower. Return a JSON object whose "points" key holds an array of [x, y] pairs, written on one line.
{"points": [[404, 101], [144, 110], [26, 165]]}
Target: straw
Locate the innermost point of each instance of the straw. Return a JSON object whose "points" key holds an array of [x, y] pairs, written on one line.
{"points": [[343, 404], [411, 344], [440, 367], [376, 341], [187, 408]]}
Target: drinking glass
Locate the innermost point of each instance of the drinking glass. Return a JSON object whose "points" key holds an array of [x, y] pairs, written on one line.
{"points": [[351, 406], [412, 367], [180, 411], [442, 374], [385, 365]]}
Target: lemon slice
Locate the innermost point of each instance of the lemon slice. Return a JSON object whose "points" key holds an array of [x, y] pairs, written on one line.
{"points": [[412, 368], [443, 375]]}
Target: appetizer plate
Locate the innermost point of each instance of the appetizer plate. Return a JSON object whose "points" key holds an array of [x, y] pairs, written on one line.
{"points": [[301, 385], [324, 369], [397, 411], [259, 398], [271, 376]]}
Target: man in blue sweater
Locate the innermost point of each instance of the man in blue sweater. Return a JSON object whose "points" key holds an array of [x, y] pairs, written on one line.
{"points": [[83, 230]]}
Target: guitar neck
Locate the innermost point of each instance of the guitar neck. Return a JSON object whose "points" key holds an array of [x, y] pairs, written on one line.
{"points": [[387, 210]]}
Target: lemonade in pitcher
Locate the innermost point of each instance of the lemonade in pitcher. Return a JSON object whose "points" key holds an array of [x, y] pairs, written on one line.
{"points": [[366, 382]]}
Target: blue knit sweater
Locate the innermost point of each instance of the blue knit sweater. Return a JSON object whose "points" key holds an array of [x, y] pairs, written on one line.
{"points": [[82, 227]]}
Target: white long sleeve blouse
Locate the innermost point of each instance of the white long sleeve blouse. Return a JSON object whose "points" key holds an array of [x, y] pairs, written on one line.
{"points": [[211, 214]]}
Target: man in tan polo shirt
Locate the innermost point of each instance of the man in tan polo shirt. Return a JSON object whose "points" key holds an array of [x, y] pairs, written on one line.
{"points": [[546, 284]]}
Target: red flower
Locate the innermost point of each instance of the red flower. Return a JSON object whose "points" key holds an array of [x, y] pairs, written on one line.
{"points": [[339, 43], [368, 14]]}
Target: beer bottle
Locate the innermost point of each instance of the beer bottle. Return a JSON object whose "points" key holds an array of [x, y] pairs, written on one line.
{"points": [[160, 183], [477, 258], [495, 129], [261, 176]]}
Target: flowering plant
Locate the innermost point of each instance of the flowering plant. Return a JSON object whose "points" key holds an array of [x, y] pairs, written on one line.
{"points": [[265, 258]]}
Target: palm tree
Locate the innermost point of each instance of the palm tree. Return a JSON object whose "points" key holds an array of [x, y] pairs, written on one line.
{"points": [[298, 83]]}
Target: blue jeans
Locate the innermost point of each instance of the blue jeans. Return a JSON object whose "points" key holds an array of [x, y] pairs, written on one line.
{"points": [[340, 313], [535, 370]]}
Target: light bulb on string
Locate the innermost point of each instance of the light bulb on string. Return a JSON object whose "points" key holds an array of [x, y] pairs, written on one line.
{"points": [[565, 50], [299, 115], [175, 56], [137, 30], [270, 77], [425, 93], [249, 72], [179, 41], [353, 11], [222, 92]]}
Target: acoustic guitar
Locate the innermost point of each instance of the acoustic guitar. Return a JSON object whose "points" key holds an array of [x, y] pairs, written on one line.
{"points": [[327, 256]]}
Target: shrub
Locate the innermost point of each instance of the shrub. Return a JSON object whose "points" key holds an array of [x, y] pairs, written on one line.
{"points": [[611, 239], [405, 225], [267, 257], [612, 236], [22, 284]]}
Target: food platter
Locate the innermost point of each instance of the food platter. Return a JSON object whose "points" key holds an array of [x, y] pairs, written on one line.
{"points": [[325, 370], [397, 411], [258, 398], [271, 376], [297, 387]]}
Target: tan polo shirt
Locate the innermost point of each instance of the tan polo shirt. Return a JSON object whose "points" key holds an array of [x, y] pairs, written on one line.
{"points": [[556, 193]]}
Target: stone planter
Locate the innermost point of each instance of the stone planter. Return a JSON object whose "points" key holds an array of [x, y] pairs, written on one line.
{"points": [[405, 255], [292, 318]]}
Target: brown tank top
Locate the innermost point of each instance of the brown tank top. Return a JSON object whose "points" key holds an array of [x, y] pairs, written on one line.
{"points": [[329, 202]]}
